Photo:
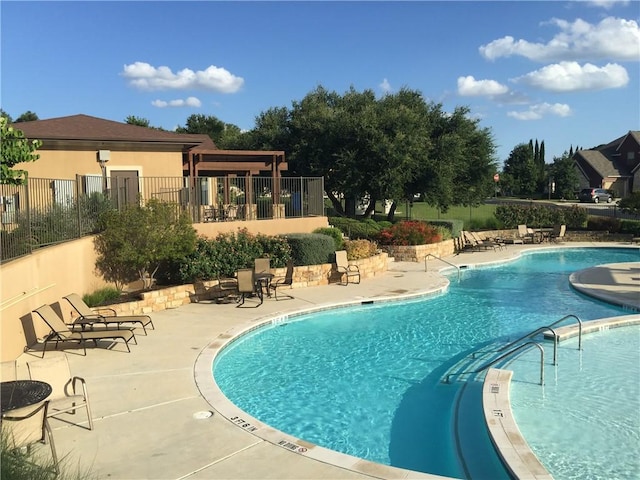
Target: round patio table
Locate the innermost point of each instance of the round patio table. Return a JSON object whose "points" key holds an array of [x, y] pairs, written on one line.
{"points": [[22, 393]]}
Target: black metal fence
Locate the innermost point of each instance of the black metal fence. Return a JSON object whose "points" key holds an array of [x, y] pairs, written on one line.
{"points": [[48, 211]]}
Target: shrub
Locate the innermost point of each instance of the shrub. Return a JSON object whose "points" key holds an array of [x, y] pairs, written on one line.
{"points": [[603, 224], [355, 229], [311, 248], [410, 232], [224, 255], [334, 233], [453, 226], [630, 204], [540, 216], [358, 249], [102, 296], [630, 226]]}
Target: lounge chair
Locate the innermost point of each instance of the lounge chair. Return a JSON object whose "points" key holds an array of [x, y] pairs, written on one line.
{"points": [[486, 243], [346, 270], [60, 332], [104, 315], [26, 426], [558, 233], [247, 285], [280, 282], [473, 243], [68, 393]]}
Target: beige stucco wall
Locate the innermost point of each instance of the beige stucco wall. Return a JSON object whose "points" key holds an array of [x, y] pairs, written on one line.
{"points": [[52, 272], [57, 164]]}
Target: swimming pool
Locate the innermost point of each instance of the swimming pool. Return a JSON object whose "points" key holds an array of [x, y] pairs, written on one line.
{"points": [[366, 380]]}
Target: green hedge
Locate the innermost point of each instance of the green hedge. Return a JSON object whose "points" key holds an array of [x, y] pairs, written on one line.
{"points": [[311, 248], [541, 216]]}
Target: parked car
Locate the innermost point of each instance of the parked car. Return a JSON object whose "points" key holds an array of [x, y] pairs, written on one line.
{"points": [[595, 195]]}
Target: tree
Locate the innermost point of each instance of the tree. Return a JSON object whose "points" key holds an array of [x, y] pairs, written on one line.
{"points": [[208, 125], [137, 239], [27, 116], [15, 149], [521, 170], [139, 121], [565, 176]]}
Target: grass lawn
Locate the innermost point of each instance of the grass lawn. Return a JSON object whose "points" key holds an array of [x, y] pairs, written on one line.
{"points": [[421, 211]]}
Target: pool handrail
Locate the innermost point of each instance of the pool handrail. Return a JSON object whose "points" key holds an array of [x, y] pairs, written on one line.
{"points": [[502, 357], [442, 260], [555, 336]]}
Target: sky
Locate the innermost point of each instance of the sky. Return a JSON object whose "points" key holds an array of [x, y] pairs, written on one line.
{"points": [[563, 72]]}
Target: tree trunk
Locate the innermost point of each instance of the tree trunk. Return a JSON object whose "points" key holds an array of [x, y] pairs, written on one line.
{"points": [[337, 205], [371, 208], [392, 211]]}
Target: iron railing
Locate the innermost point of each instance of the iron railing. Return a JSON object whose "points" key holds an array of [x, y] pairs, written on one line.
{"points": [[48, 211]]}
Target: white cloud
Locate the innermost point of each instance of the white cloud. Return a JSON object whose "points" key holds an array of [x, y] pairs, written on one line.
{"points": [[571, 77], [187, 102], [612, 38], [607, 4], [385, 86], [540, 110], [147, 77], [470, 87]]}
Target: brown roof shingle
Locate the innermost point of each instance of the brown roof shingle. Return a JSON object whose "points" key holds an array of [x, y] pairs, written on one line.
{"points": [[88, 128]]}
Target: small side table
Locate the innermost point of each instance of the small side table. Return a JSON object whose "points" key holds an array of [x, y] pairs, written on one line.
{"points": [[22, 393]]}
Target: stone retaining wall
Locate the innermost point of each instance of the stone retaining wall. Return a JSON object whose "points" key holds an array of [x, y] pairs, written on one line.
{"points": [[304, 276], [416, 253]]}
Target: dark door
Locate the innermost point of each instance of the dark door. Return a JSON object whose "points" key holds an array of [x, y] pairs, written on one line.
{"points": [[125, 186]]}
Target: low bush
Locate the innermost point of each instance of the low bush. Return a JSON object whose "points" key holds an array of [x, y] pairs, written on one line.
{"points": [[311, 248], [630, 226], [604, 224], [630, 204], [356, 229], [410, 232], [103, 296], [540, 216], [334, 233], [224, 255], [359, 249]]}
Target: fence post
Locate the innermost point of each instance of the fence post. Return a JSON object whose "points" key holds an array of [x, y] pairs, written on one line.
{"points": [[78, 191]]}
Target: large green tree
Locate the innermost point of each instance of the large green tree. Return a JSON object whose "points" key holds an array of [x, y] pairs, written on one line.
{"points": [[565, 176], [15, 149], [521, 172]]}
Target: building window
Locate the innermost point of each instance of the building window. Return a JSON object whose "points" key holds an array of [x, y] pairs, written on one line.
{"points": [[631, 155]]}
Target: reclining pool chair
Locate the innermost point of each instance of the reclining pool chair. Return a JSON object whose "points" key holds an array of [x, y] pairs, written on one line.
{"points": [[60, 332], [103, 315]]}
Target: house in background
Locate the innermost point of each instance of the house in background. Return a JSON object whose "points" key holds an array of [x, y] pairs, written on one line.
{"points": [[614, 166]]}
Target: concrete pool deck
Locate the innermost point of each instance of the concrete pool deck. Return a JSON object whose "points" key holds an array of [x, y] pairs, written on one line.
{"points": [[148, 407]]}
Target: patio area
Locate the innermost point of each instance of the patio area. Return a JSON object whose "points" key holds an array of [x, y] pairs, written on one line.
{"points": [[151, 420]]}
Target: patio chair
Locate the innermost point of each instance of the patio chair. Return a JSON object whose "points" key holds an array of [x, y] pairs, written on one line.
{"points": [[280, 282], [8, 371], [25, 427], [226, 288], [525, 235], [247, 285], [558, 233], [60, 332], [68, 393], [346, 270], [104, 315]]}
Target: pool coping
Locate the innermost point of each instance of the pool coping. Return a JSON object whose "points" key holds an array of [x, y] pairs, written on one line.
{"points": [[211, 392]]}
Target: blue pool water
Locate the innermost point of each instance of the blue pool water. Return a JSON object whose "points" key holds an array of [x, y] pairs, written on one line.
{"points": [[366, 380]]}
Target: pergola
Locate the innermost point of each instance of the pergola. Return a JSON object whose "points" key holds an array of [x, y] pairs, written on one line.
{"points": [[205, 160]]}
